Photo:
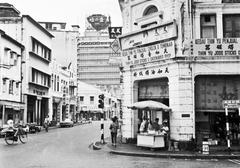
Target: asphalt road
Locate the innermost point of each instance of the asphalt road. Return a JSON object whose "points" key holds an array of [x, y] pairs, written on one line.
{"points": [[69, 148]]}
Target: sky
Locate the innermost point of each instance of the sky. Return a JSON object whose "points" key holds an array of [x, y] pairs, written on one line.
{"points": [[73, 12]]}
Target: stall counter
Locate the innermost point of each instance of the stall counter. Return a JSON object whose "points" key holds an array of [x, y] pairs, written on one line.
{"points": [[150, 140]]}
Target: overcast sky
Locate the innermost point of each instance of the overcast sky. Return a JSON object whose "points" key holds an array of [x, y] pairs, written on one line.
{"points": [[70, 11]]}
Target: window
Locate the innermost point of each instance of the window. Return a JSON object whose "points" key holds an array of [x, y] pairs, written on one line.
{"points": [[230, 1], [11, 87], [231, 25], [4, 85], [40, 78], [40, 49], [91, 99], [81, 99], [208, 26], [150, 10], [57, 83]]}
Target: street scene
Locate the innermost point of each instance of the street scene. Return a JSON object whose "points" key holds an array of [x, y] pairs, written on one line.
{"points": [[120, 83], [69, 147]]}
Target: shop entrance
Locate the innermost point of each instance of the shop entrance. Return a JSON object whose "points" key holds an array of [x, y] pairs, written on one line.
{"points": [[210, 119], [156, 90]]}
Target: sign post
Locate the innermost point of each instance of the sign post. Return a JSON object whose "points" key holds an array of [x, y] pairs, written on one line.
{"points": [[230, 104]]}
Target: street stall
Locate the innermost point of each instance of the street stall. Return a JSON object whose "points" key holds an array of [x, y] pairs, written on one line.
{"points": [[152, 138]]}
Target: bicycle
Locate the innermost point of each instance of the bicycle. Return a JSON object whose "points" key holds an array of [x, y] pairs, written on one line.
{"points": [[12, 135]]}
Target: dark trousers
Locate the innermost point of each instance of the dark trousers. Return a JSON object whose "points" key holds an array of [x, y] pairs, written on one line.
{"points": [[114, 137]]}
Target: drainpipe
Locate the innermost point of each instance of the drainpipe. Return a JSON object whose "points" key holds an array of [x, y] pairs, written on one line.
{"points": [[191, 10]]}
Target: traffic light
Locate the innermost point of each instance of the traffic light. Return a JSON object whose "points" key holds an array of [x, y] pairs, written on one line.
{"points": [[101, 101]]}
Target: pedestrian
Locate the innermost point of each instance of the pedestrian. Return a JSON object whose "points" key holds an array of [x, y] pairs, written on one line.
{"points": [[114, 128], [156, 125], [165, 131], [46, 123], [142, 128]]}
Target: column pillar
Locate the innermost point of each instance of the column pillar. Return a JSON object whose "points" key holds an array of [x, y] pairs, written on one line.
{"points": [[39, 111], [3, 115], [35, 118], [25, 109]]}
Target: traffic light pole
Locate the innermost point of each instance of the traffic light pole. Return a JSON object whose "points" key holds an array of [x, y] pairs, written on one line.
{"points": [[102, 130]]}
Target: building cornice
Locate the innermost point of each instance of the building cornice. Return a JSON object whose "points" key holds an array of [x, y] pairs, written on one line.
{"points": [[38, 25], [7, 37]]}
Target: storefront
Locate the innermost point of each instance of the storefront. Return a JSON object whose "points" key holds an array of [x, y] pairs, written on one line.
{"points": [[11, 110], [210, 91]]}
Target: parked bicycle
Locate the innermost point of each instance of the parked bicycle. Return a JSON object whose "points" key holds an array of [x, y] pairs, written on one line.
{"points": [[12, 135]]}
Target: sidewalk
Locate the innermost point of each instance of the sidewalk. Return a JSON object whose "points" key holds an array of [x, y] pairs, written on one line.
{"points": [[134, 150]]}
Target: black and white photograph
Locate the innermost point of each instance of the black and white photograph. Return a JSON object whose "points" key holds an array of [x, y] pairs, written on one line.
{"points": [[120, 84]]}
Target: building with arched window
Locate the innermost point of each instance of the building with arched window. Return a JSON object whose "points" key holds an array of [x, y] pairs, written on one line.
{"points": [[185, 55]]}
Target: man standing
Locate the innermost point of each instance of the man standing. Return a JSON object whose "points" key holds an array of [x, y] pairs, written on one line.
{"points": [[46, 123], [113, 128]]}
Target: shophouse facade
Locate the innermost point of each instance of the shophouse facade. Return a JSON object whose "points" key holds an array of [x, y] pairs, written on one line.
{"points": [[62, 93], [36, 60], [11, 104], [170, 54]]}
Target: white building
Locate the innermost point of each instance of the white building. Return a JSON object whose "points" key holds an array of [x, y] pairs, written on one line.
{"points": [[64, 53], [166, 58], [36, 59], [89, 102], [11, 104], [96, 59]]}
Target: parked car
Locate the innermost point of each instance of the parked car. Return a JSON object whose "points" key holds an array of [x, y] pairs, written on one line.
{"points": [[66, 123], [33, 127]]}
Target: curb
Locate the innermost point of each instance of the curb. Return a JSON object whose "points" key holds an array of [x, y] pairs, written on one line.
{"points": [[180, 156]]}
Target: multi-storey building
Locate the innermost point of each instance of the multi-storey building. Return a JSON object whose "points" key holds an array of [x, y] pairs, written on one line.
{"points": [[11, 104], [64, 53], [36, 59], [183, 53], [89, 96], [94, 54], [62, 93]]}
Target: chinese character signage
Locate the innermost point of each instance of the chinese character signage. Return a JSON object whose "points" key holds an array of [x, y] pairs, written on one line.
{"points": [[99, 21], [151, 72], [152, 53], [216, 47], [114, 32], [146, 36]]}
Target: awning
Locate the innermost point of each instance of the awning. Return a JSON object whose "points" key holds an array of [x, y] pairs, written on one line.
{"points": [[149, 105], [12, 105]]}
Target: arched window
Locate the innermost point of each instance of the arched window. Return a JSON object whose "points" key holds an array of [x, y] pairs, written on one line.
{"points": [[149, 10]]}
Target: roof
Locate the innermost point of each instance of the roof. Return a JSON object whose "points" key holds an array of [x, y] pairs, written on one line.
{"points": [[4, 35], [38, 25]]}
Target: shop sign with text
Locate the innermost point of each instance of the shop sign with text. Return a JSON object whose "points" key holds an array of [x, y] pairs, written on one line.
{"points": [[160, 51], [146, 36], [154, 72], [216, 47]]}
